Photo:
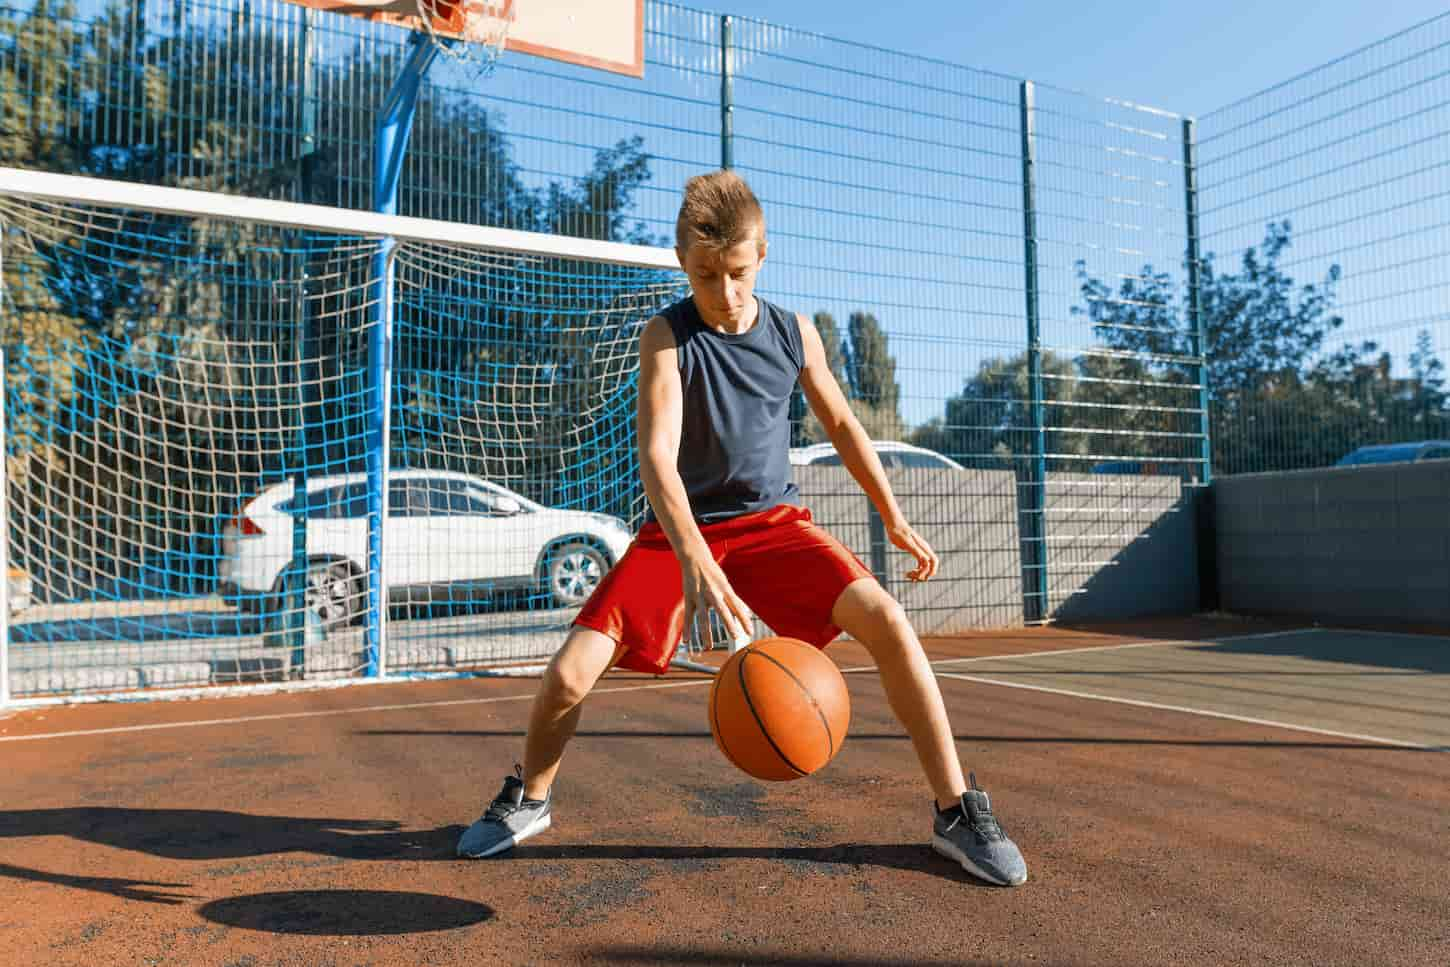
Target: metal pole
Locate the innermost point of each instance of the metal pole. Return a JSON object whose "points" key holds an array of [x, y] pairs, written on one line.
{"points": [[1195, 313], [727, 96], [395, 125], [1034, 518], [295, 585], [4, 532]]}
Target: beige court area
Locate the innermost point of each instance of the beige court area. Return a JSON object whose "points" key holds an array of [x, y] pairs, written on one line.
{"points": [[1357, 684]]}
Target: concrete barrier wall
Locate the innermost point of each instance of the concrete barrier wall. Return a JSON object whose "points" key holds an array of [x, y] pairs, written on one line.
{"points": [[1351, 543], [1120, 546], [968, 516]]}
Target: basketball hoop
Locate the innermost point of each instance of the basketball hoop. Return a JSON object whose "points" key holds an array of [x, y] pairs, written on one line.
{"points": [[469, 31], [598, 34]]}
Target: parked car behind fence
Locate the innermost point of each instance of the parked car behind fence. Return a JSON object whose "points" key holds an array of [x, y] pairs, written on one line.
{"points": [[445, 532], [1396, 453]]}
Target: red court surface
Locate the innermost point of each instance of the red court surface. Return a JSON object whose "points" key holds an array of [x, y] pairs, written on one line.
{"points": [[317, 828]]}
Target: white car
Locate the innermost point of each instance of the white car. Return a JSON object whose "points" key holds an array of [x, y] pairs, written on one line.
{"points": [[19, 589], [444, 532], [891, 452]]}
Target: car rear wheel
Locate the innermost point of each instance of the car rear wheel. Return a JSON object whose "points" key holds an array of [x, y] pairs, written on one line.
{"points": [[572, 572], [332, 593]]}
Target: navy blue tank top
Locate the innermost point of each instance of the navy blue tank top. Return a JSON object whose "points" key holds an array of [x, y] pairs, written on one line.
{"points": [[735, 436]]}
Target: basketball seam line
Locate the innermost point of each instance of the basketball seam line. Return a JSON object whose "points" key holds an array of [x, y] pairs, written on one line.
{"points": [[745, 691], [825, 723]]}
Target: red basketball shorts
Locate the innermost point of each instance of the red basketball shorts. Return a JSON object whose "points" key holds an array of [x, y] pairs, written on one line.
{"points": [[789, 571]]}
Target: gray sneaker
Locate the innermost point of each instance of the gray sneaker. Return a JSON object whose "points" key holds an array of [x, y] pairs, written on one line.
{"points": [[971, 836], [510, 820]]}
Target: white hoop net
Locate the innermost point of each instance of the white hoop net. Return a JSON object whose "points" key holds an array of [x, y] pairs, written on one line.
{"points": [[470, 31]]}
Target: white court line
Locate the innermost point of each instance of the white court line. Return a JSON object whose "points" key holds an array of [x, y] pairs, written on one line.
{"points": [[503, 671], [1196, 711], [255, 690], [322, 713], [1360, 632], [1096, 648], [144, 696]]}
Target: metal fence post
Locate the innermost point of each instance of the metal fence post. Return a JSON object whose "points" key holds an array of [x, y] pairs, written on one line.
{"points": [[390, 146], [295, 583], [1033, 516], [727, 96], [4, 528], [1195, 314]]}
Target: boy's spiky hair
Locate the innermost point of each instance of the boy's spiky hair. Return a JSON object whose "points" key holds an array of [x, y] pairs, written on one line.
{"points": [[719, 211]]}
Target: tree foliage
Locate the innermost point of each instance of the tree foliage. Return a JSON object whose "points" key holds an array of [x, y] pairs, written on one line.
{"points": [[1282, 397], [155, 363], [864, 368]]}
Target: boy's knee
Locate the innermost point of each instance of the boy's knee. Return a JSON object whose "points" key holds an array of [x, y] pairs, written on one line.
{"points": [[879, 616], [567, 684]]}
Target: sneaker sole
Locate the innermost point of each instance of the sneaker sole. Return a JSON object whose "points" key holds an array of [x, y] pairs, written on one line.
{"points": [[949, 849], [532, 829]]}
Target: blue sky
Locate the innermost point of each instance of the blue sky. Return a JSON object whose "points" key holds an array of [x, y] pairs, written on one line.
{"points": [[1186, 59]]}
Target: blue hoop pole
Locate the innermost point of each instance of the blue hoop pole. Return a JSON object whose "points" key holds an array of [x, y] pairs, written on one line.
{"points": [[390, 146]]}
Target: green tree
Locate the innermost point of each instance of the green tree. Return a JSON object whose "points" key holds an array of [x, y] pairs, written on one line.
{"points": [[989, 423], [182, 335], [870, 367], [1280, 397], [866, 372], [830, 335]]}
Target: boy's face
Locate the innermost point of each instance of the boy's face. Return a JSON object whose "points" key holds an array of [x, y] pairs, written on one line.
{"points": [[723, 280]]}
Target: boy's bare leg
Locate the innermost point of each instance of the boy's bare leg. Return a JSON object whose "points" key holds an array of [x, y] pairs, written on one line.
{"points": [[572, 673], [871, 616]]}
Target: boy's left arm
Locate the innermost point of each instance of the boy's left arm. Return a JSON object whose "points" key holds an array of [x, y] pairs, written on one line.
{"points": [[829, 405]]}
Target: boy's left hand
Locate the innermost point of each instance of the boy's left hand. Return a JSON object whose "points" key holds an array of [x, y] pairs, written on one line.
{"points": [[904, 537]]}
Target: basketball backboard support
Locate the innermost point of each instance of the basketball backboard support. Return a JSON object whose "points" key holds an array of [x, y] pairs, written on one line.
{"points": [[603, 34]]}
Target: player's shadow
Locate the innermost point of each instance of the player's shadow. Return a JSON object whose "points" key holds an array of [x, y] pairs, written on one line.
{"points": [[147, 891], [215, 834], [212, 834], [219, 834]]}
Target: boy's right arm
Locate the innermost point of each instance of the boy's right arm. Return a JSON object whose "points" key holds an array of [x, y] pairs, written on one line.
{"points": [[661, 412]]}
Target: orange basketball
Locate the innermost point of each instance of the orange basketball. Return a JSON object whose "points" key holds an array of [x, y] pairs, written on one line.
{"points": [[779, 709]]}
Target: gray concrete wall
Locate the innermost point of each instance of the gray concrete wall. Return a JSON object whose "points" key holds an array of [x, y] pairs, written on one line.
{"points": [[1120, 546], [1348, 544], [968, 516]]}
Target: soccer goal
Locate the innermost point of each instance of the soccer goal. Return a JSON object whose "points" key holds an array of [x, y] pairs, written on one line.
{"points": [[233, 457]]}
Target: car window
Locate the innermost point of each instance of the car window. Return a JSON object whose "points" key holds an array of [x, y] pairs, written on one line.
{"points": [[332, 503], [1387, 455], [910, 459], [315, 502], [463, 501], [827, 460], [409, 498], [350, 501], [447, 498]]}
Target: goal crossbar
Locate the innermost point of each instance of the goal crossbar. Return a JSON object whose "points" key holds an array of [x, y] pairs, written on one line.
{"points": [[83, 190]]}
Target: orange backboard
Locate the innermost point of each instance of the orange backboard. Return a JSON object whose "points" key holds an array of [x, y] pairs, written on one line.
{"points": [[603, 34]]}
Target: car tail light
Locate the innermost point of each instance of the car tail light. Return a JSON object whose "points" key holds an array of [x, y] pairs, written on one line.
{"points": [[245, 526]]}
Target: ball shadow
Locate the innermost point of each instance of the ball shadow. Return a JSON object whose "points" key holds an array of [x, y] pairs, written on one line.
{"points": [[338, 913]]}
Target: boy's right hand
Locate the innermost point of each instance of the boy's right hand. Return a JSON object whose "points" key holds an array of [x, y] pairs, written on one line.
{"points": [[706, 587]]}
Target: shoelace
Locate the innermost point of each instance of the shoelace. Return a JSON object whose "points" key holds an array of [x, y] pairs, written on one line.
{"points": [[984, 824], [507, 804], [501, 809]]}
